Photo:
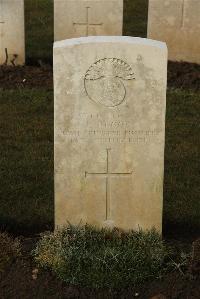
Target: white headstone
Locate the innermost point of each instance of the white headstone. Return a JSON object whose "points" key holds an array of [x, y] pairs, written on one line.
{"points": [[176, 22], [75, 18], [12, 41], [109, 131]]}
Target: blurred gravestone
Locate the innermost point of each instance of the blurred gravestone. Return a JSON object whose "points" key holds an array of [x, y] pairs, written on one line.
{"points": [[109, 131], [176, 22], [75, 18], [12, 42]]}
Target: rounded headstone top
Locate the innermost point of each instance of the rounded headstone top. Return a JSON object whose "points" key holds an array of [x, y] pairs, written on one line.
{"points": [[110, 39]]}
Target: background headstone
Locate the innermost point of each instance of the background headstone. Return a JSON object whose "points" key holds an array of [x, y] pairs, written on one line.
{"points": [[176, 22], [75, 18], [109, 131], [12, 40]]}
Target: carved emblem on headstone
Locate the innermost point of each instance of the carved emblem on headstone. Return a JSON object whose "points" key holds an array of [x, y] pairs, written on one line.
{"points": [[104, 81]]}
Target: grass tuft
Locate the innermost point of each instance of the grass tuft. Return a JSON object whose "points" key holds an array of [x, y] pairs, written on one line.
{"points": [[96, 258]]}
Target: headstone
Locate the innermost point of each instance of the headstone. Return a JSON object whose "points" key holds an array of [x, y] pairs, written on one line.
{"points": [[109, 131], [75, 18], [176, 22], [12, 41]]}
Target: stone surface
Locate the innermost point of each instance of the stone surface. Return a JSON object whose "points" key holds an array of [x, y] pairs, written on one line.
{"points": [[75, 18], [12, 41], [176, 22], [109, 131]]}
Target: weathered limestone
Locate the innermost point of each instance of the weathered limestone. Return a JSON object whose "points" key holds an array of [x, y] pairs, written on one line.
{"points": [[176, 22], [12, 41], [109, 131], [75, 18]]}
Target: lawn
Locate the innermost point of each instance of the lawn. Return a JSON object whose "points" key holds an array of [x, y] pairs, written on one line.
{"points": [[26, 133], [39, 31]]}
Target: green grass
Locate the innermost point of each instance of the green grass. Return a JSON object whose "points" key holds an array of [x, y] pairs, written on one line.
{"points": [[39, 26], [135, 18], [26, 162], [39, 31], [182, 172], [101, 258]]}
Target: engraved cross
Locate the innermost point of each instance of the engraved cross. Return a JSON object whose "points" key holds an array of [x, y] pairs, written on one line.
{"points": [[108, 175], [87, 22]]}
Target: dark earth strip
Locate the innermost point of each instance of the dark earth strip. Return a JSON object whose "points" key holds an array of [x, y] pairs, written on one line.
{"points": [[180, 75], [19, 281]]}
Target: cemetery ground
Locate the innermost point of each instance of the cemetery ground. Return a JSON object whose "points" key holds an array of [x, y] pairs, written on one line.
{"points": [[27, 181], [27, 192]]}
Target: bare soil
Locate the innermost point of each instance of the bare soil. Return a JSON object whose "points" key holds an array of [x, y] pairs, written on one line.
{"points": [[26, 76], [184, 75], [180, 75], [24, 280]]}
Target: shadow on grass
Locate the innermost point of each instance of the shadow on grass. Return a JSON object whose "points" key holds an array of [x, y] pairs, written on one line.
{"points": [[26, 171]]}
